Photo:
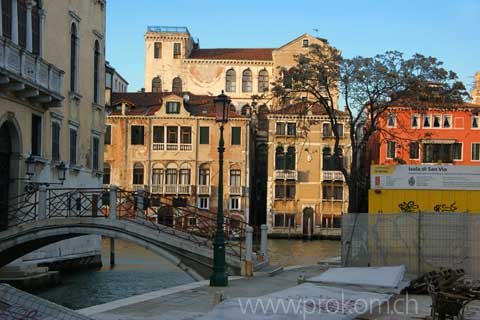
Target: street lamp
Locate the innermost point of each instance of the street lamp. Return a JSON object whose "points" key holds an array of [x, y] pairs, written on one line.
{"points": [[219, 276], [62, 169], [30, 162]]}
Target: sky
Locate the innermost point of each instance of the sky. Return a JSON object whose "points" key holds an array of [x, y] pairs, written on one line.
{"points": [[446, 29]]}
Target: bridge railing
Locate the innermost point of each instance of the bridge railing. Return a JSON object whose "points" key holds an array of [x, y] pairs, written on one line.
{"points": [[20, 209]]}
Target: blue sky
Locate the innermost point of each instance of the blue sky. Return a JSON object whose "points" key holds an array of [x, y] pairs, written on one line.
{"points": [[448, 30]]}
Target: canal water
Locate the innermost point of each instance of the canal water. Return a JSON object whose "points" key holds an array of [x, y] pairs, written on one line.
{"points": [[139, 271]]}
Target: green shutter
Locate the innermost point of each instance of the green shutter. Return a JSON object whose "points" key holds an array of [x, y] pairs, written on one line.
{"points": [[204, 135], [236, 135]]}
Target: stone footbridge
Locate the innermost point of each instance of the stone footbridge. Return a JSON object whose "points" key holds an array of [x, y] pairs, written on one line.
{"points": [[183, 235]]}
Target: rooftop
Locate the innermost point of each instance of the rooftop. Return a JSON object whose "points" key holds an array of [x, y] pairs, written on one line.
{"points": [[167, 29], [259, 54]]}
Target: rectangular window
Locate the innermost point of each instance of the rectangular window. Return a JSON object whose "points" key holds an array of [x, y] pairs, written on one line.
{"points": [[291, 129], [234, 203], [186, 135], [7, 18], [204, 203], [171, 177], [157, 50], [279, 191], [279, 220], [137, 135], [476, 151], [177, 50], [436, 152], [290, 190], [339, 127], [158, 134], [73, 146], [475, 122], [427, 121], [391, 152], [55, 141], [204, 135], [106, 173], [305, 43], [236, 135], [457, 151], [327, 192], [447, 121], [391, 120], [285, 190], [173, 107], [184, 177], [95, 152], [327, 130], [235, 176], [108, 134], [280, 129], [437, 121], [36, 135], [337, 192], [414, 150], [172, 134], [415, 121]]}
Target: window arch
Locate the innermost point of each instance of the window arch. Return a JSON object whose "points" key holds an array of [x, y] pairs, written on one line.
{"points": [[231, 82], [247, 81], [73, 57], [246, 110], [157, 84], [171, 174], [96, 72], [290, 158], [138, 173], [106, 173], [204, 175], [279, 158], [263, 81], [177, 85], [184, 174], [158, 175]]}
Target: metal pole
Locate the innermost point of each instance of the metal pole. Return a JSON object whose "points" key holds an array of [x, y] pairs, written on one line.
{"points": [[264, 241], [248, 251], [112, 251], [219, 276]]}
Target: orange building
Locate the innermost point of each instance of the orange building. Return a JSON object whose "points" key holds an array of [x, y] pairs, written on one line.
{"points": [[427, 133]]}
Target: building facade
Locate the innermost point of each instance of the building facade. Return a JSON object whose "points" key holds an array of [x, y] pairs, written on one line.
{"points": [[51, 106], [306, 192], [167, 144], [476, 89], [427, 133], [175, 62], [114, 82]]}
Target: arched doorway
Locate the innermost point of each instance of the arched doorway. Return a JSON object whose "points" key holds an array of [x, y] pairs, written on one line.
{"points": [[308, 222], [5, 156]]}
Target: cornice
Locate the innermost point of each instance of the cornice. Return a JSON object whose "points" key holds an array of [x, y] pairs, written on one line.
{"points": [[228, 62]]}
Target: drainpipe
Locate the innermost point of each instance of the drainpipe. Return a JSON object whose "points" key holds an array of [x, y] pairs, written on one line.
{"points": [[125, 153], [247, 175]]}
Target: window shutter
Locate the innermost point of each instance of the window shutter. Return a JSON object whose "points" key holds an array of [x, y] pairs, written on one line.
{"points": [[204, 135], [236, 132]]}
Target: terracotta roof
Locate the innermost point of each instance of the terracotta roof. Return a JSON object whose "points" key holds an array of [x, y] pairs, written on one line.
{"points": [[301, 108], [262, 54], [147, 103]]}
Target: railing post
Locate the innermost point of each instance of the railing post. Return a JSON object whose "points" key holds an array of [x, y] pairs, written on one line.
{"points": [[42, 202], [139, 214], [248, 264], [112, 212], [264, 242]]}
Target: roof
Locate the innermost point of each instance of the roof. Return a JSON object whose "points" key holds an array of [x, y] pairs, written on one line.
{"points": [[434, 105], [258, 54], [148, 103], [301, 108]]}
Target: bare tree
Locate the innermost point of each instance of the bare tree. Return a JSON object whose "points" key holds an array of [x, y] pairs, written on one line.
{"points": [[366, 87]]}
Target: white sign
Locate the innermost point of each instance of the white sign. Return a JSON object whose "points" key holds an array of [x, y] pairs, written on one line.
{"points": [[428, 177]]}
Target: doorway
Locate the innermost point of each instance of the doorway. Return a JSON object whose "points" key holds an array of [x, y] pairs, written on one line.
{"points": [[308, 222], [5, 156]]}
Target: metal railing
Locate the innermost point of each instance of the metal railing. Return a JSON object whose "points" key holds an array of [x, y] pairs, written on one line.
{"points": [[29, 67], [167, 29]]}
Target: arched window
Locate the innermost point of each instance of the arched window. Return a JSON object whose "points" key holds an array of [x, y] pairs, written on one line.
{"points": [[184, 175], [177, 85], [106, 173], [235, 176], [290, 159], [263, 81], [231, 85], [137, 173], [158, 176], [279, 158], [96, 72], [327, 159], [247, 81], [246, 110], [157, 84], [204, 175], [171, 174], [73, 57]]}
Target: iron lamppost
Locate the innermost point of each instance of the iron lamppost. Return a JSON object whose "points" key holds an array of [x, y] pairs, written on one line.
{"points": [[219, 277]]}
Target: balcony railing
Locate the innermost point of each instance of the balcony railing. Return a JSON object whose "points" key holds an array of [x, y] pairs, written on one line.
{"points": [[185, 147], [171, 189], [236, 190], [171, 147], [204, 190], [35, 77], [286, 175], [333, 176], [158, 147], [167, 29], [137, 187]]}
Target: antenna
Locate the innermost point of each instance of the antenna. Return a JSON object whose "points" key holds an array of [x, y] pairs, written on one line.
{"points": [[316, 31]]}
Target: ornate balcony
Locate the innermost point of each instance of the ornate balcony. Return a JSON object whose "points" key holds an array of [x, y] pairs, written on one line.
{"points": [[286, 175], [204, 190], [29, 76], [236, 190], [172, 189], [171, 147], [333, 176], [158, 146]]}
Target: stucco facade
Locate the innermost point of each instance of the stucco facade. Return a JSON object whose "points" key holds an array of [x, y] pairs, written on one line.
{"points": [[51, 106], [306, 193], [173, 152]]}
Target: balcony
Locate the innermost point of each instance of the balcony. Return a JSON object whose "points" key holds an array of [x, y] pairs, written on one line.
{"points": [[171, 147], [236, 190], [29, 76], [286, 175], [172, 189], [204, 190], [138, 187], [333, 176]]}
